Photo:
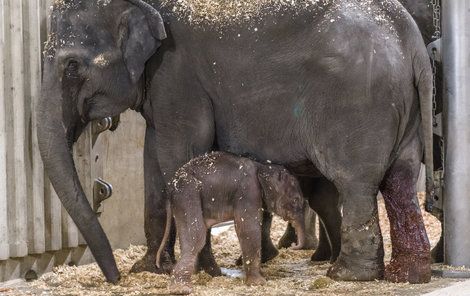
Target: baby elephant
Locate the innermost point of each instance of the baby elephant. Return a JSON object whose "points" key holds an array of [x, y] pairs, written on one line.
{"points": [[219, 187]]}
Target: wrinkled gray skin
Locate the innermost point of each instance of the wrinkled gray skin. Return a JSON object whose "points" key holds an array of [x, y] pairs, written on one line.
{"points": [[421, 11], [219, 187], [310, 94]]}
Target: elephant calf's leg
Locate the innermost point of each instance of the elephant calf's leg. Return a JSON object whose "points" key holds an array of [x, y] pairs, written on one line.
{"points": [[192, 235], [206, 260], [361, 256], [288, 238], [410, 246], [268, 250], [249, 235]]}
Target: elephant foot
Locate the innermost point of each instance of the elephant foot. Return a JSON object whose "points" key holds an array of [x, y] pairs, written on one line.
{"points": [[208, 265], [321, 255], [267, 253], [437, 253], [212, 270], [311, 243], [179, 288], [287, 239], [414, 269], [147, 263], [341, 270], [239, 261], [255, 280]]}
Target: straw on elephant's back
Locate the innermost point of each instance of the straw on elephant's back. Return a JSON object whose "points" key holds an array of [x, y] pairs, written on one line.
{"points": [[227, 12]]}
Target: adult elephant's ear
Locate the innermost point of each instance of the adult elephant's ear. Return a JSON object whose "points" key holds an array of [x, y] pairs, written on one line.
{"points": [[143, 32]]}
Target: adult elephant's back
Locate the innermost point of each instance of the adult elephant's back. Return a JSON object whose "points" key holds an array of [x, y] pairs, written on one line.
{"points": [[306, 71]]}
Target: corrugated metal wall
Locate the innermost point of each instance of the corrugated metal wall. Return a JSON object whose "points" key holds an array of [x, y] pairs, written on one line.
{"points": [[32, 220]]}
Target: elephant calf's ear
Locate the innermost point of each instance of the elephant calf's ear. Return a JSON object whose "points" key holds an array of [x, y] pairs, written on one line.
{"points": [[264, 179], [139, 42]]}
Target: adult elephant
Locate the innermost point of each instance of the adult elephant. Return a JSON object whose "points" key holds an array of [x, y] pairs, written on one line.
{"points": [[422, 13], [328, 88]]}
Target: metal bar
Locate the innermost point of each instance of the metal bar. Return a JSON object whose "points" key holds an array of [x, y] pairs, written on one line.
{"points": [[456, 62]]}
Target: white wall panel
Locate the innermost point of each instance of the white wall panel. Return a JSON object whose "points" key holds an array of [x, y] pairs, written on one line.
{"points": [[4, 247]]}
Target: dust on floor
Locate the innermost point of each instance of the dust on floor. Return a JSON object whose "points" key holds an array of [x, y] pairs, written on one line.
{"points": [[291, 273]]}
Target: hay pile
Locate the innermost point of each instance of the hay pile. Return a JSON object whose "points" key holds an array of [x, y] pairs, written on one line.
{"points": [[291, 273]]}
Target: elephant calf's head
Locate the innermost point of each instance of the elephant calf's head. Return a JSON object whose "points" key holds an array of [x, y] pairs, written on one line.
{"points": [[93, 62], [283, 196]]}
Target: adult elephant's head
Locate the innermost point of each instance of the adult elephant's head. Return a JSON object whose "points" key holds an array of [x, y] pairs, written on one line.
{"points": [[93, 62]]}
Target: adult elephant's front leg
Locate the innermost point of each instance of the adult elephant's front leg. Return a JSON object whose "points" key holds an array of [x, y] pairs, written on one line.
{"points": [[167, 147], [155, 209]]}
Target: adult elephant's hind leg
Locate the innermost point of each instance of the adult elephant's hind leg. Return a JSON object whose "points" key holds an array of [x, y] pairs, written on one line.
{"points": [[361, 255], [411, 260]]}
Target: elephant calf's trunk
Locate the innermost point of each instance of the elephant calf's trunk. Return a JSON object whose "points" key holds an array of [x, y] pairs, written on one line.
{"points": [[300, 231]]}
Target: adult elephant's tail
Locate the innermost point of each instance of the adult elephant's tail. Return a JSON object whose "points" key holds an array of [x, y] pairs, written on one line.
{"points": [[424, 85]]}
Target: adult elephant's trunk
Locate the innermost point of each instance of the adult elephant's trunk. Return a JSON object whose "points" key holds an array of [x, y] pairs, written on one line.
{"points": [[56, 133], [299, 227]]}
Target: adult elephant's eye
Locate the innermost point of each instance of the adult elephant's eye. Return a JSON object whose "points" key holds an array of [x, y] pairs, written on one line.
{"points": [[71, 69]]}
